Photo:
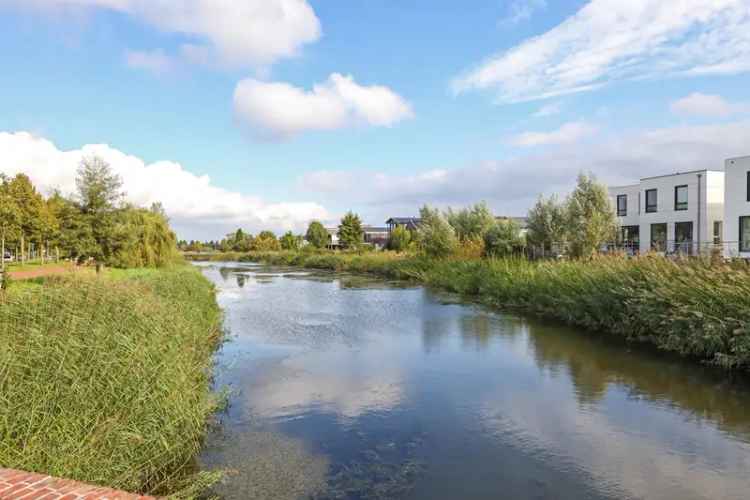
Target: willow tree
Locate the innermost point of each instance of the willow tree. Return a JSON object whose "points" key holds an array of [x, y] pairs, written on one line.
{"points": [[590, 217]]}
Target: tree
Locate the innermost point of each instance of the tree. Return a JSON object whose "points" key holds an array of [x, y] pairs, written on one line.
{"points": [[317, 235], [29, 204], [503, 239], [590, 217], [471, 223], [351, 234], [144, 239], [290, 242], [10, 220], [99, 193], [400, 239], [546, 223], [266, 241], [435, 236]]}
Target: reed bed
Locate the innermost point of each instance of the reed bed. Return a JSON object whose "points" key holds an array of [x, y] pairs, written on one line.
{"points": [[107, 379], [694, 307]]}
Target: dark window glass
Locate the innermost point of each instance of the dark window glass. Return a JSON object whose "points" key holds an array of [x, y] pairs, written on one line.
{"points": [[683, 237], [748, 186], [651, 200], [681, 198], [622, 205], [744, 234], [659, 237]]}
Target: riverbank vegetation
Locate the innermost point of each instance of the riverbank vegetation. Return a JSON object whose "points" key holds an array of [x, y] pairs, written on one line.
{"points": [[106, 379]]}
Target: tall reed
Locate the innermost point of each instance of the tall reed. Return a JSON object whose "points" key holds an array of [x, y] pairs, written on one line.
{"points": [[107, 379]]}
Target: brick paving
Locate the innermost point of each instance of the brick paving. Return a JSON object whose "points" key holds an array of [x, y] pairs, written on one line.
{"points": [[17, 485]]}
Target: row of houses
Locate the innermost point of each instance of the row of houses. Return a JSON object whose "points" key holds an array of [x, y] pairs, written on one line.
{"points": [[700, 211], [378, 236]]}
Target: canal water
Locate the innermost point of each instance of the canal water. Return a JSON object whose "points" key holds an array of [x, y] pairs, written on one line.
{"points": [[356, 388]]}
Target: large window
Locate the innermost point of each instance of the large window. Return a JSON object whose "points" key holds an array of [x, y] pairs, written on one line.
{"points": [[683, 237], [622, 205], [718, 230], [681, 198], [659, 237], [650, 200], [744, 234], [748, 186]]}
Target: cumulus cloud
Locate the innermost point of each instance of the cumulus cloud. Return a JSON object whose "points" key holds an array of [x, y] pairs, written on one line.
{"points": [[611, 40], [280, 110], [236, 33], [198, 208], [568, 133], [697, 104], [511, 185]]}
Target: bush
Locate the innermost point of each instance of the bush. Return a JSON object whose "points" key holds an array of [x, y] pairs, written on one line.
{"points": [[503, 239], [435, 236], [400, 239], [107, 380]]}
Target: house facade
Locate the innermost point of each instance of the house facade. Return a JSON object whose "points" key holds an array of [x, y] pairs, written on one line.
{"points": [[676, 213], [737, 207]]}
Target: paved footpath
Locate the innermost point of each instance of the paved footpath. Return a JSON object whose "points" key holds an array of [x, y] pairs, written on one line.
{"points": [[16, 485]]}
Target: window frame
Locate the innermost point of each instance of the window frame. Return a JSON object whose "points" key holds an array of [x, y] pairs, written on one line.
{"points": [[677, 205], [742, 235], [622, 213], [650, 209], [718, 235], [748, 186], [651, 236]]}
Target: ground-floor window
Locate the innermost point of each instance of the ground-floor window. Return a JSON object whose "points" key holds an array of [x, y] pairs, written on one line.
{"points": [[630, 237], [683, 237], [745, 234], [659, 237]]}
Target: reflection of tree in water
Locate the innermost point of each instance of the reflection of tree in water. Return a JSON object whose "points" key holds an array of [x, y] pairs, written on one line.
{"points": [[241, 280], [225, 272], [479, 328], [594, 363]]}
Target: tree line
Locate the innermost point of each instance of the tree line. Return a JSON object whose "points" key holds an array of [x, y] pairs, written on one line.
{"points": [[580, 224], [94, 224]]}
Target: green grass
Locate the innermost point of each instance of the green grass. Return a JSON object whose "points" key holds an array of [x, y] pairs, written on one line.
{"points": [[696, 308], [107, 379]]}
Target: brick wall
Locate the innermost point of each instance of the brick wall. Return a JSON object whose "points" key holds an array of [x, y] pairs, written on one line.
{"points": [[17, 485]]}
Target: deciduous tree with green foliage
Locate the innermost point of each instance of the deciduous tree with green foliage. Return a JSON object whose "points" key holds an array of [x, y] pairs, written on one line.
{"points": [[317, 235], [290, 241], [351, 233], [546, 224], [590, 217], [471, 223], [266, 241], [503, 239], [435, 236], [10, 219], [400, 239]]}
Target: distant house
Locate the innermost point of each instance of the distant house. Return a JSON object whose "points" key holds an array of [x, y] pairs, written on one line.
{"points": [[410, 223], [376, 236], [333, 237], [523, 222]]}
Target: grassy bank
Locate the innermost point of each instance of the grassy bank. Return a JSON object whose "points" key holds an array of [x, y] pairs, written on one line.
{"points": [[107, 379], [694, 307]]}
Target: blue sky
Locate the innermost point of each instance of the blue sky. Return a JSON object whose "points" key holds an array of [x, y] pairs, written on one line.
{"points": [[415, 102]]}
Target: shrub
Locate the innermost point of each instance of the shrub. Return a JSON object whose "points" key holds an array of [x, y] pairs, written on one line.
{"points": [[435, 236]]}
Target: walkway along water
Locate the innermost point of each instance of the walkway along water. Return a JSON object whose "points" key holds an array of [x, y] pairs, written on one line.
{"points": [[351, 387]]}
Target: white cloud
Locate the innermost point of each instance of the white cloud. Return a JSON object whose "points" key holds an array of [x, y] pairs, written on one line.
{"points": [[198, 208], [698, 104], [236, 33], [611, 40], [281, 110], [568, 133], [155, 61], [554, 108], [522, 10], [511, 185]]}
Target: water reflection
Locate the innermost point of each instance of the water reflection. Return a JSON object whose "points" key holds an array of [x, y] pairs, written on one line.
{"points": [[375, 391]]}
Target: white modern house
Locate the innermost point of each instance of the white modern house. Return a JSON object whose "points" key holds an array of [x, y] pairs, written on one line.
{"points": [[676, 213], [737, 207]]}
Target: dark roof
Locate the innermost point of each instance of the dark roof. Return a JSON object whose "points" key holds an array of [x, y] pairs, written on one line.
{"points": [[521, 221], [373, 229], [404, 220]]}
